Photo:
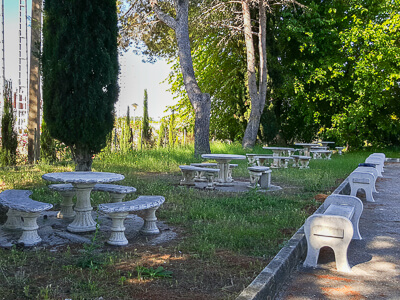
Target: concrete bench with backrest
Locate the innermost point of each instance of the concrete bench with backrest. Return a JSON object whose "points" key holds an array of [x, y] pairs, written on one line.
{"points": [[378, 160], [189, 173], [118, 211], [260, 176], [67, 191], [362, 180], [334, 228], [20, 205], [373, 171], [200, 175]]}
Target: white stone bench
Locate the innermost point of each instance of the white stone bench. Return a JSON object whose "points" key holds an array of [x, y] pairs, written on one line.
{"points": [[364, 181], [118, 211], [260, 176], [189, 173], [20, 205], [67, 191], [318, 154], [339, 150], [334, 228], [200, 175], [371, 170], [274, 161], [379, 161]]}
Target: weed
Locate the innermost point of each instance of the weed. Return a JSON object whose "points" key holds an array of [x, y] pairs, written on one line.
{"points": [[144, 272]]}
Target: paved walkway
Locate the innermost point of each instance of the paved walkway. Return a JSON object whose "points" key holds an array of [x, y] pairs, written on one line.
{"points": [[375, 259]]}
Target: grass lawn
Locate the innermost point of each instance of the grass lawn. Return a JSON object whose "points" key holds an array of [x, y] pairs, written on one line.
{"points": [[224, 239]]}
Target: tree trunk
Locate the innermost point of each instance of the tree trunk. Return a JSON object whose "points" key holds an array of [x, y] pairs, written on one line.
{"points": [[201, 102], [257, 94], [82, 158], [34, 84]]}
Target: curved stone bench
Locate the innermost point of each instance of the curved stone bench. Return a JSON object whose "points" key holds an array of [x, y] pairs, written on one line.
{"points": [[117, 192], [334, 228], [118, 211], [260, 176], [21, 205], [371, 170], [67, 191], [379, 161]]}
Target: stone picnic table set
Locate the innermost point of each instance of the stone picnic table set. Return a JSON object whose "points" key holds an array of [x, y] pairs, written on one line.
{"points": [[219, 174], [24, 211]]}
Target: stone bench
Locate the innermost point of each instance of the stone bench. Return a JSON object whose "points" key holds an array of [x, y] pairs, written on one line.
{"points": [[189, 173], [275, 161], [362, 180], [318, 154], [67, 191], [200, 175], [260, 176], [371, 170], [118, 211], [378, 160], [20, 205], [334, 228]]}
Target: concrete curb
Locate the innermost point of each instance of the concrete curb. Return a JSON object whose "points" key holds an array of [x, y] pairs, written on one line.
{"points": [[269, 282]]}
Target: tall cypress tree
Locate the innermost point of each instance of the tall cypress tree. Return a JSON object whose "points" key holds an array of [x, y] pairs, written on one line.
{"points": [[80, 70], [146, 130]]}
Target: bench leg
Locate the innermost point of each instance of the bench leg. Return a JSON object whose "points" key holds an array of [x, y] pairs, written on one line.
{"points": [[188, 177], [254, 179], [265, 180], [29, 235], [13, 219], [66, 210], [116, 197], [304, 164], [210, 181], [150, 219], [117, 237]]}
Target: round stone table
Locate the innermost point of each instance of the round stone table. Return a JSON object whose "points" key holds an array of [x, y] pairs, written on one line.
{"points": [[83, 183], [223, 166]]}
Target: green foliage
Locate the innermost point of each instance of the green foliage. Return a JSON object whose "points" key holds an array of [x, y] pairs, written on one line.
{"points": [[80, 70], [146, 130], [47, 145], [171, 130], [9, 139], [161, 134]]}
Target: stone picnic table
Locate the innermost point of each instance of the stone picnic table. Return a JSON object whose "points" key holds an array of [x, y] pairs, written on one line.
{"points": [[223, 161], [83, 183], [280, 151]]}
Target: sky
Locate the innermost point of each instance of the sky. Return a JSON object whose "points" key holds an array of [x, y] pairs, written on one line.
{"points": [[135, 76]]}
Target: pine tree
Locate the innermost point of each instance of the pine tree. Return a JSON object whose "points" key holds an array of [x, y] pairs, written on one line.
{"points": [[80, 73], [146, 130], [8, 133]]}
